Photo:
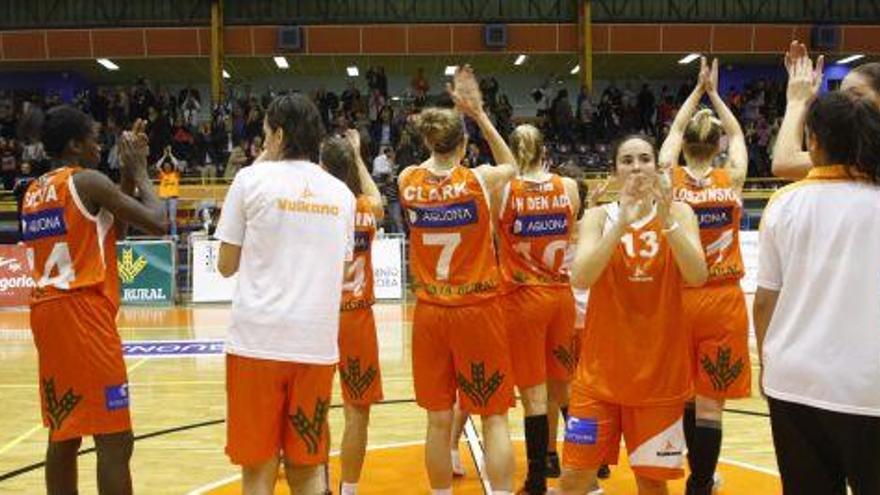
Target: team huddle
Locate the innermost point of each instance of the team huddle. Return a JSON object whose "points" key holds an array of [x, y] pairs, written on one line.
{"points": [[626, 318]]}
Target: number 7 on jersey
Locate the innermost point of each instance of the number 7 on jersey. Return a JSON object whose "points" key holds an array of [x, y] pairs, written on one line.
{"points": [[449, 243]]}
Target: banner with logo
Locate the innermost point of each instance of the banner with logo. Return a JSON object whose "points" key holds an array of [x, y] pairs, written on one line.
{"points": [[209, 286], [15, 278], [388, 277], [207, 283], [147, 272]]}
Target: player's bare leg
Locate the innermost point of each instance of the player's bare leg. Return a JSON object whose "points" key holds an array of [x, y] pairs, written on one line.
{"points": [[114, 455], [259, 479], [354, 443], [61, 466], [500, 464], [437, 458]]}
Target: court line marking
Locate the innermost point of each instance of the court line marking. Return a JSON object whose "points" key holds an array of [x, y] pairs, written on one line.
{"points": [[39, 426], [476, 447]]}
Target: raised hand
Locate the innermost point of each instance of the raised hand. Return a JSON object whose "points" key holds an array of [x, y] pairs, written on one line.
{"points": [[711, 83], [354, 139], [597, 193], [804, 79], [133, 148], [633, 196], [465, 92], [661, 193]]}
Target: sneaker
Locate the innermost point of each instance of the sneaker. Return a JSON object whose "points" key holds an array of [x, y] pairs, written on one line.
{"points": [[717, 481], [457, 468], [604, 472], [553, 469]]}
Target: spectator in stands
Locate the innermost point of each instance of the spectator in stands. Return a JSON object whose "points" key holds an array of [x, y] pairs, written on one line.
{"points": [[504, 115], [255, 148], [383, 132], [375, 105], [383, 165], [169, 187], [377, 80], [237, 160], [8, 162], [182, 140], [420, 84], [646, 105]]}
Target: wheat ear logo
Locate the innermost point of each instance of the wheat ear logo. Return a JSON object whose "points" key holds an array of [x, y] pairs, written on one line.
{"points": [[721, 371], [130, 268]]}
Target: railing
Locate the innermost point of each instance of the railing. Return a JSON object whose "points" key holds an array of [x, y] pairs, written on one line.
{"points": [[23, 14]]}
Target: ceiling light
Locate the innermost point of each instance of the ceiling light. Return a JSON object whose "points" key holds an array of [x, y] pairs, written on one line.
{"points": [[353, 71], [689, 58], [226, 74], [281, 62], [520, 60], [851, 58], [108, 64], [450, 70], [576, 69]]}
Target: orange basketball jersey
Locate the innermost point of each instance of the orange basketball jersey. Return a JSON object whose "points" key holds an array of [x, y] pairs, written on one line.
{"points": [[357, 288], [636, 346], [68, 248], [718, 207], [452, 255], [535, 228]]}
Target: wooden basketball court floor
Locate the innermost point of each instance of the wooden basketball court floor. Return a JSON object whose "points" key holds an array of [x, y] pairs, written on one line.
{"points": [[178, 405]]}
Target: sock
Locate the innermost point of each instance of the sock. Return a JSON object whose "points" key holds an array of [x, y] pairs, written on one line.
{"points": [[564, 411], [348, 489], [704, 456], [457, 468], [500, 492], [441, 491], [690, 426], [537, 432]]}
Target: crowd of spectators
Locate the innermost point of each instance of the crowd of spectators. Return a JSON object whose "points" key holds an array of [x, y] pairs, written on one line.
{"points": [[214, 142]]}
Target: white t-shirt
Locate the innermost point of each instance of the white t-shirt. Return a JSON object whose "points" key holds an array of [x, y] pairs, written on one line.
{"points": [[820, 249], [382, 165], [295, 225]]}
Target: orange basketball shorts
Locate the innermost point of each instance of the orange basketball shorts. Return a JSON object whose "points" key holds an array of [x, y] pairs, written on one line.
{"points": [[463, 348], [359, 372], [83, 381], [277, 406], [654, 436], [720, 325], [540, 329]]}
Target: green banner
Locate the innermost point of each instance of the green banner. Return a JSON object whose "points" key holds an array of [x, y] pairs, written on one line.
{"points": [[146, 272]]}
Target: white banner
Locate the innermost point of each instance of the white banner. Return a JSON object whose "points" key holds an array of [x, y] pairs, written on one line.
{"points": [[209, 286], [388, 268], [748, 243], [207, 283]]}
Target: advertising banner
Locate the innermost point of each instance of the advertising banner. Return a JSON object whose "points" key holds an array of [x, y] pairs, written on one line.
{"points": [[209, 286], [147, 271], [15, 279]]}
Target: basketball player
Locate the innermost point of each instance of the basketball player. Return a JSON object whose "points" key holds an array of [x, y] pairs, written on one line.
{"points": [[359, 370], [789, 159], [716, 313], [287, 228], [459, 339], [71, 218], [817, 317], [536, 219], [634, 373]]}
